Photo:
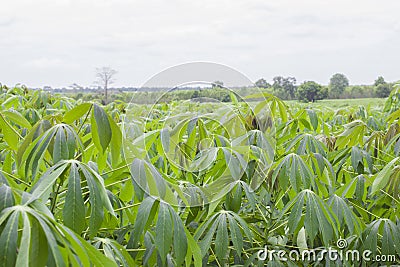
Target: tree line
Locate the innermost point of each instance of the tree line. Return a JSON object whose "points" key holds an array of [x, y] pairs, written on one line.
{"points": [[284, 87], [338, 87]]}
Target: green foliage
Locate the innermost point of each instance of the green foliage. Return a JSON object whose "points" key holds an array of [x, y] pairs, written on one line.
{"points": [[311, 91], [262, 83], [83, 184], [338, 84], [383, 90], [284, 87], [379, 80]]}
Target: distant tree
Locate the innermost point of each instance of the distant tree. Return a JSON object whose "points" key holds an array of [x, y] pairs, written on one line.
{"points": [[379, 80], [218, 84], [311, 91], [285, 87], [262, 83], [338, 84], [383, 90], [356, 91], [105, 77]]}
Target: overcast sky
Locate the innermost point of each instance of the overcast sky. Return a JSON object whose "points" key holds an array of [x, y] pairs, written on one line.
{"points": [[60, 42]]}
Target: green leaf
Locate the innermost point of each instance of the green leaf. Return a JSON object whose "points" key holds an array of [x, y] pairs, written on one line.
{"points": [[74, 208], [205, 243], [116, 142], [382, 178], [221, 239], [101, 129], [9, 133], [60, 150], [302, 240], [180, 239], [94, 256], [296, 213], [43, 186], [163, 233], [76, 113], [145, 213], [236, 235], [51, 241], [38, 253], [23, 253], [311, 222], [8, 241], [126, 193], [165, 139], [371, 239], [6, 197], [313, 118], [96, 205], [17, 118], [195, 251]]}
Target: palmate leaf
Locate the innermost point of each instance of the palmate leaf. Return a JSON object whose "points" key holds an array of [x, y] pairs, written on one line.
{"points": [[356, 187], [217, 225], [317, 219], [313, 118], [295, 170], [38, 129], [66, 142], [169, 230], [29, 236], [114, 251], [352, 135], [344, 214], [97, 193], [60, 140], [304, 144], [148, 180], [276, 105], [383, 234]]}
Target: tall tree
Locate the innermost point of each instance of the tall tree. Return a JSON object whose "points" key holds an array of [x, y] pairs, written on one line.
{"points": [[383, 90], [338, 84], [379, 80], [105, 77], [311, 91], [285, 87], [262, 83]]}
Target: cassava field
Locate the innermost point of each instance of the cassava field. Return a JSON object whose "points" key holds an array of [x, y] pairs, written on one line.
{"points": [[189, 183]]}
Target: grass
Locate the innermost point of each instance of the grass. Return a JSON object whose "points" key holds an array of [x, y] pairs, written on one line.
{"points": [[341, 103]]}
